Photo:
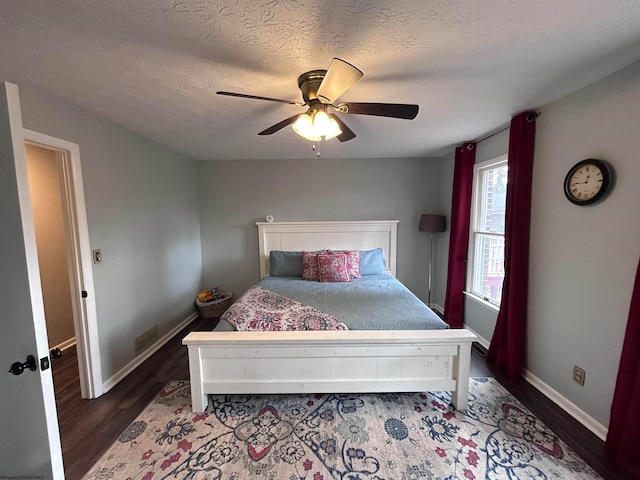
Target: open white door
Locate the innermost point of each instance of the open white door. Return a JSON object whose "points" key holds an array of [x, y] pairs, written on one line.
{"points": [[29, 424]]}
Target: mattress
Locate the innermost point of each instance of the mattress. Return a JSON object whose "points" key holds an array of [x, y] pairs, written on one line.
{"points": [[374, 302]]}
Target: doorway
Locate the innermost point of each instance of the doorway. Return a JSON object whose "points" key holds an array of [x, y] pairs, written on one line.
{"points": [[45, 188], [64, 254]]}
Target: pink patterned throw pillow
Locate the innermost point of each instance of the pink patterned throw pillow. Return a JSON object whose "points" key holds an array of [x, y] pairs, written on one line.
{"points": [[353, 262], [310, 266], [332, 267]]}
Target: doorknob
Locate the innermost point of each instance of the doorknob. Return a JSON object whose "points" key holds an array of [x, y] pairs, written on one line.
{"points": [[17, 368], [55, 353]]}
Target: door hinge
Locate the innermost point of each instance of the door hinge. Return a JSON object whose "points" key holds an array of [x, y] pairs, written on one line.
{"points": [[84, 294]]}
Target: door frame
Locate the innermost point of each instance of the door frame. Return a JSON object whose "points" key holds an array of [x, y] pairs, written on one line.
{"points": [[33, 436], [79, 259]]}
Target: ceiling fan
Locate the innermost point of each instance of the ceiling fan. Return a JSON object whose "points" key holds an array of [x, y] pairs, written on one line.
{"points": [[320, 89]]}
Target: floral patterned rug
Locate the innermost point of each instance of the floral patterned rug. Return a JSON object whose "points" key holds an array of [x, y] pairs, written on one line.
{"points": [[393, 436]]}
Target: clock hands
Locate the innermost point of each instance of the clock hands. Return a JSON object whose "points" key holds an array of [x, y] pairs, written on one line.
{"points": [[582, 183]]}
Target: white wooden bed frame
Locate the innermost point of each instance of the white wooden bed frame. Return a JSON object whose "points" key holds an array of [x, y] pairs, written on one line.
{"points": [[355, 361]]}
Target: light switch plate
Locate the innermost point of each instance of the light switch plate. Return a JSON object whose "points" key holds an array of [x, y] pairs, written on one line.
{"points": [[97, 256]]}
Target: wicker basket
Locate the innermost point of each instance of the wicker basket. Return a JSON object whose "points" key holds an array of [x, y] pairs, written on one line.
{"points": [[216, 308]]}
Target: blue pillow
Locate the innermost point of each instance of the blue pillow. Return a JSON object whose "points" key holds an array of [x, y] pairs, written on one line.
{"points": [[372, 262], [285, 264]]}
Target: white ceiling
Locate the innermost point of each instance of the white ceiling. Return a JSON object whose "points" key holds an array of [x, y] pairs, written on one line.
{"points": [[154, 66]]}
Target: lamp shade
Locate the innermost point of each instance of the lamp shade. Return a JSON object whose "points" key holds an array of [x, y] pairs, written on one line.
{"points": [[432, 223]]}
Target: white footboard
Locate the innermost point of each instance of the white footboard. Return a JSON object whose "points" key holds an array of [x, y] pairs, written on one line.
{"points": [[329, 362]]}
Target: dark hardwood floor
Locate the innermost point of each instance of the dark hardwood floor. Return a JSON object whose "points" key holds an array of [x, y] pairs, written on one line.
{"points": [[89, 427]]}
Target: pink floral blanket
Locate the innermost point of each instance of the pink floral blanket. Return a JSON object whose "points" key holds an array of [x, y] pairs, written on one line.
{"points": [[263, 310]]}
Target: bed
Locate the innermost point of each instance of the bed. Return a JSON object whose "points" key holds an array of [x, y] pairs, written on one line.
{"points": [[363, 358]]}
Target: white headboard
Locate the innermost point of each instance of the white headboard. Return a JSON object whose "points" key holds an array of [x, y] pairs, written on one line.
{"points": [[357, 235]]}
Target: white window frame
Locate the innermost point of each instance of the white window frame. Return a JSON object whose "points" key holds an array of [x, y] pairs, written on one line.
{"points": [[474, 230]]}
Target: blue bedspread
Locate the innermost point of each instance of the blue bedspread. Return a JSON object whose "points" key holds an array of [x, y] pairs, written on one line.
{"points": [[375, 302]]}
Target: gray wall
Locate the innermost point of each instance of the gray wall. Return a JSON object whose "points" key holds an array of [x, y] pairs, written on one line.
{"points": [[143, 213], [441, 240], [142, 210], [583, 259], [236, 194]]}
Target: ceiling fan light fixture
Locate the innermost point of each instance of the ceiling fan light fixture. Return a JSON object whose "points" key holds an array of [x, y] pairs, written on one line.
{"points": [[321, 121], [316, 126], [320, 89], [303, 126], [333, 129]]}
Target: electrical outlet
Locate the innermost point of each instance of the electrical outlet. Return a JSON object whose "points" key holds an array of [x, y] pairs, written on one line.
{"points": [[578, 375]]}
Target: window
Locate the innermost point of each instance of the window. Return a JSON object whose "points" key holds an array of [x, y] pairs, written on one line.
{"points": [[486, 242]]}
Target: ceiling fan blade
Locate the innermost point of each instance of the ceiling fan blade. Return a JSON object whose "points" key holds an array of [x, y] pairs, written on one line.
{"points": [[280, 125], [242, 95], [347, 134], [393, 110], [339, 78]]}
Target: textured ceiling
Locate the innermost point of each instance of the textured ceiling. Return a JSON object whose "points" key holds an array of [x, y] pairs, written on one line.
{"points": [[154, 66]]}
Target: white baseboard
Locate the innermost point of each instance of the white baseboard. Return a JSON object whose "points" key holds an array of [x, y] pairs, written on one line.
{"points": [[136, 362], [568, 406], [571, 408], [437, 308], [481, 340], [66, 344]]}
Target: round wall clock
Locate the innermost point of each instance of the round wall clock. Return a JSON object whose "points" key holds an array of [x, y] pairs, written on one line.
{"points": [[587, 181]]}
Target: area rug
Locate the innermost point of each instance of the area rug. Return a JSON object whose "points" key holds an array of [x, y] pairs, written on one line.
{"points": [[393, 436]]}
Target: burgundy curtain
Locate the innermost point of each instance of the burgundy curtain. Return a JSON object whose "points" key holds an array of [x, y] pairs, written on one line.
{"points": [[508, 341], [624, 426], [459, 233]]}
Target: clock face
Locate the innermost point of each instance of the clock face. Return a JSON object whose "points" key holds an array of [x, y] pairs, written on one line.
{"points": [[587, 182]]}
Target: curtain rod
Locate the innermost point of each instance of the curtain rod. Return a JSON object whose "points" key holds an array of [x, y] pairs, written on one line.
{"points": [[493, 134], [506, 127]]}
